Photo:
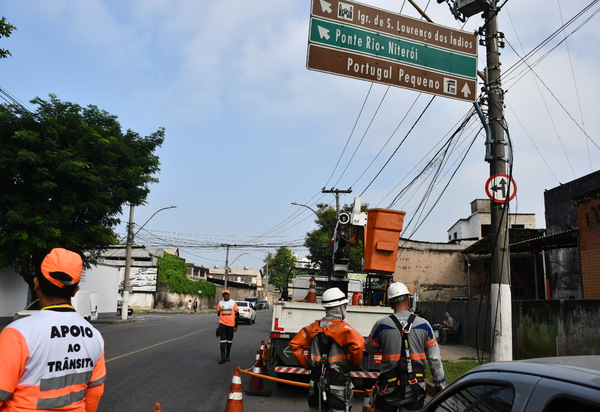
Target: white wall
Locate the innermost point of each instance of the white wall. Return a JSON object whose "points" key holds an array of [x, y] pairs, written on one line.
{"points": [[13, 292]]}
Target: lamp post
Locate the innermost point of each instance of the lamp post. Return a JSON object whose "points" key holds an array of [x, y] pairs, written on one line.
{"points": [[227, 264], [129, 245], [316, 214]]}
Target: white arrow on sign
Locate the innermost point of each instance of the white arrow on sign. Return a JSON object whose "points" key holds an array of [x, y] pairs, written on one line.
{"points": [[326, 7], [500, 188], [466, 91], [323, 32]]}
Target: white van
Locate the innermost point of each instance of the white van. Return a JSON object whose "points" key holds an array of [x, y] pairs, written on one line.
{"points": [[86, 304]]}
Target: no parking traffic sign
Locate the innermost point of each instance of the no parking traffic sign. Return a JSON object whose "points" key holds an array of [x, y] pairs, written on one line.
{"points": [[500, 188]]}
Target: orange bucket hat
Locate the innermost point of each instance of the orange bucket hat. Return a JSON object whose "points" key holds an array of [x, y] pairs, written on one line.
{"points": [[64, 261]]}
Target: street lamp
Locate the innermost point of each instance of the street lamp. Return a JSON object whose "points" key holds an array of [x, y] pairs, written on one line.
{"points": [[227, 265], [316, 214], [130, 236]]}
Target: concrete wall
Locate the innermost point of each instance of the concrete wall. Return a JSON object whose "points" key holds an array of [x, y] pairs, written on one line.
{"points": [[540, 327], [435, 270], [168, 300]]}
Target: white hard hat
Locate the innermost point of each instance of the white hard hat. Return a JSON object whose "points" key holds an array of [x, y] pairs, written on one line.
{"points": [[333, 297], [397, 289]]}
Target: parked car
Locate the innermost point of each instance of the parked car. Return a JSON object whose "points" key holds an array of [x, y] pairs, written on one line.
{"points": [[247, 312], [262, 304], [253, 300], [569, 383], [120, 308], [31, 309]]}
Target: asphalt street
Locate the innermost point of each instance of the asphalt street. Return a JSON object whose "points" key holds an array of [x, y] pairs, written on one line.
{"points": [[172, 359]]}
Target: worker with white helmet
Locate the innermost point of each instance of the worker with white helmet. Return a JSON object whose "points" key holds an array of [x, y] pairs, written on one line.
{"points": [[405, 340], [334, 349]]}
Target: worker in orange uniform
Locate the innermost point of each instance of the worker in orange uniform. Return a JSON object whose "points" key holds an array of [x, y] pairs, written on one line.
{"points": [[53, 360], [228, 313], [335, 349]]}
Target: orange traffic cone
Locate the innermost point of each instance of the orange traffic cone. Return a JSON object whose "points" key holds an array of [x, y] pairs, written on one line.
{"points": [[367, 402], [312, 291], [157, 407], [256, 383], [357, 299], [263, 352], [234, 402]]}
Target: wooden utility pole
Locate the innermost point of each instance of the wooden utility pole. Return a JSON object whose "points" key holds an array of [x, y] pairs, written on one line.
{"points": [[500, 293]]}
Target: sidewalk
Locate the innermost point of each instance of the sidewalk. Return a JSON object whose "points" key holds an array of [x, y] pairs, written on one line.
{"points": [[455, 351]]}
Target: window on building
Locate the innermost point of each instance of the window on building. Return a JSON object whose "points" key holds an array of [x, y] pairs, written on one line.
{"points": [[486, 230]]}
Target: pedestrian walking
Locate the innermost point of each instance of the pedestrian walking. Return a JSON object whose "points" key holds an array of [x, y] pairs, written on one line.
{"points": [[335, 349], [405, 341], [228, 313], [52, 360], [195, 306]]}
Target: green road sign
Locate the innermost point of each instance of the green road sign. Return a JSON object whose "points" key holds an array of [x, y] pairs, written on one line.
{"points": [[331, 34]]}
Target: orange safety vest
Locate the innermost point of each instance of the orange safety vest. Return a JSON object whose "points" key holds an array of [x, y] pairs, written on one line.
{"points": [[53, 360], [227, 310]]}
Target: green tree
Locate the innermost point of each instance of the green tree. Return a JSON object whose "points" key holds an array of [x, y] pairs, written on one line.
{"points": [[5, 30], [280, 265], [172, 274], [318, 241], [65, 173]]}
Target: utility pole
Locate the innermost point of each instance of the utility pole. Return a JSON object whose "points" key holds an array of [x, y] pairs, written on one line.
{"points": [[336, 192], [226, 266], [125, 304], [496, 155], [128, 259], [500, 293]]}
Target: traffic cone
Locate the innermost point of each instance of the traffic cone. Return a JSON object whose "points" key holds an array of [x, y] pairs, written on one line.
{"points": [[312, 291], [234, 401], [157, 407], [256, 383], [367, 402], [357, 299], [263, 366]]}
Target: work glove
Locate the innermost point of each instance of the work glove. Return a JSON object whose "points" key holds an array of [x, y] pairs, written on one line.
{"points": [[439, 387]]}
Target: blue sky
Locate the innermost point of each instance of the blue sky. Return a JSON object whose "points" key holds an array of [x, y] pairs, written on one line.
{"points": [[249, 129]]}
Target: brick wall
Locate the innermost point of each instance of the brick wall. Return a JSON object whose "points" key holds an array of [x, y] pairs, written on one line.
{"points": [[588, 217]]}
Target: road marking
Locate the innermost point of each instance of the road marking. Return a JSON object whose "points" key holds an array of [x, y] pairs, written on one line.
{"points": [[153, 346]]}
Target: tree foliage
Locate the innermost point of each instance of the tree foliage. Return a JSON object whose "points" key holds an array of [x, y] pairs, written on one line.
{"points": [[319, 244], [172, 274], [5, 30], [279, 266], [65, 173]]}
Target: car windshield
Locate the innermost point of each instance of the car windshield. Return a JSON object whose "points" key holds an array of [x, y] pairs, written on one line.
{"points": [[242, 303]]}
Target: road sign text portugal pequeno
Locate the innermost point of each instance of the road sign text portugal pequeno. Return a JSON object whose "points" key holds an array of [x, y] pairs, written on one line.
{"points": [[354, 40]]}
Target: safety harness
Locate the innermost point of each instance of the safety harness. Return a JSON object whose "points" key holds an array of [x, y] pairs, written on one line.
{"points": [[405, 372], [322, 376]]}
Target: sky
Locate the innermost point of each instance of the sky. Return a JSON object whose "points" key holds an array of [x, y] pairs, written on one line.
{"points": [[250, 130]]}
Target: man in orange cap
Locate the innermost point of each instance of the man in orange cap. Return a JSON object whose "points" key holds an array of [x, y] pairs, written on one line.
{"points": [[53, 360], [228, 313]]}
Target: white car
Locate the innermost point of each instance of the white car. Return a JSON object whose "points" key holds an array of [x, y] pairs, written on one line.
{"points": [[247, 312]]}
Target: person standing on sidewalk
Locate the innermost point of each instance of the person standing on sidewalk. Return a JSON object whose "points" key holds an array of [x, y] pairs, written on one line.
{"points": [[335, 348], [228, 313], [405, 340], [53, 360]]}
